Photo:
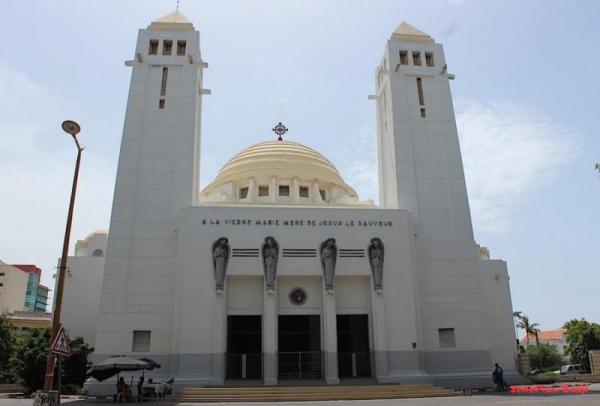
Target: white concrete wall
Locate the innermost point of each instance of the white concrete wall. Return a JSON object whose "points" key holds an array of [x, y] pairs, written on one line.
{"points": [[200, 312], [157, 176], [499, 312], [14, 286], [421, 171], [81, 297]]}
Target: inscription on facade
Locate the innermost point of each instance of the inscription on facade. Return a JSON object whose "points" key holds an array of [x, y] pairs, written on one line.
{"points": [[296, 222]]}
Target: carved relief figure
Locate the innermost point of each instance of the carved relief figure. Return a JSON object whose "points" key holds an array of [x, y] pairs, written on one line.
{"points": [[376, 253], [328, 260], [220, 253], [270, 254]]}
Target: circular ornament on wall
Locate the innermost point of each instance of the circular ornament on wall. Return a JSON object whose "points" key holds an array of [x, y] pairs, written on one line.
{"points": [[297, 296]]}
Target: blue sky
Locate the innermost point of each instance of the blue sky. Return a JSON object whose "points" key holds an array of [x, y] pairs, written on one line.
{"points": [[525, 94]]}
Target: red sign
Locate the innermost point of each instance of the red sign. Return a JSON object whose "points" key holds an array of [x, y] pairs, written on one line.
{"points": [[60, 345]]}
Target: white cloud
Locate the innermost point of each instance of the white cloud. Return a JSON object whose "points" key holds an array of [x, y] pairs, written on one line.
{"points": [[508, 152]]}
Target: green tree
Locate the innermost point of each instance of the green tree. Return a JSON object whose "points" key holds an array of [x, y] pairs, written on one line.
{"points": [[75, 367], [531, 329], [7, 340], [544, 357], [29, 358], [581, 336]]}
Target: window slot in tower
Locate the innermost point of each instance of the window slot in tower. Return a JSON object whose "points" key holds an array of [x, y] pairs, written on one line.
{"points": [[163, 82], [429, 59], [420, 91], [416, 58], [180, 48], [167, 45], [153, 48], [403, 57]]}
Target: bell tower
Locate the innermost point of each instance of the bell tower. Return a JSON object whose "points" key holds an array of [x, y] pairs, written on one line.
{"points": [[421, 171], [420, 165], [157, 176]]}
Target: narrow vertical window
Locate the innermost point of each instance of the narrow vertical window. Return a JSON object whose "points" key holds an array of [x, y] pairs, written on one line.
{"points": [[423, 113], [180, 48], [167, 45], [243, 193], [403, 57], [153, 48], [304, 191], [161, 104], [420, 91], [163, 82], [417, 58], [323, 194], [428, 59]]}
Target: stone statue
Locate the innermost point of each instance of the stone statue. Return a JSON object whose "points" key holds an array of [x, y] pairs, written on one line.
{"points": [[376, 252], [270, 254], [220, 253], [328, 260]]}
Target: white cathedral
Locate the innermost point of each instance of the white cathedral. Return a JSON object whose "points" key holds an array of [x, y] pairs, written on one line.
{"points": [[276, 270]]}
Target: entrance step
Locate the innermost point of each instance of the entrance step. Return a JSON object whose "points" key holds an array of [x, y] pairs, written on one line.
{"points": [[310, 393]]}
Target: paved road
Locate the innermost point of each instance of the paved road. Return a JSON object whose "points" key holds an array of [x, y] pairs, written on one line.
{"points": [[591, 399]]}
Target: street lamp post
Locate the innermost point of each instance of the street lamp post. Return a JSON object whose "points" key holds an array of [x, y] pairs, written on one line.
{"points": [[70, 127]]}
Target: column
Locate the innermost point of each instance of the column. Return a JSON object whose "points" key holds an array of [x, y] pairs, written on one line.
{"points": [[269, 338], [330, 337], [219, 339], [379, 335]]}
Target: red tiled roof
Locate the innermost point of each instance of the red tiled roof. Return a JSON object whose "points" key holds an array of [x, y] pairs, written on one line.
{"points": [[29, 268], [547, 335]]}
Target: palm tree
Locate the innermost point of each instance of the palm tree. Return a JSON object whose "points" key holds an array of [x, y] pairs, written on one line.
{"points": [[530, 328]]}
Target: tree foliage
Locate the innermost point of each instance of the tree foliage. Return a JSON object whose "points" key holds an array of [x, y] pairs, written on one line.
{"points": [[531, 329], [29, 360], [75, 367], [544, 357], [581, 336], [6, 342]]}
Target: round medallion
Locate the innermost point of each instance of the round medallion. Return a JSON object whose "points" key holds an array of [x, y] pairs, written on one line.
{"points": [[297, 296]]}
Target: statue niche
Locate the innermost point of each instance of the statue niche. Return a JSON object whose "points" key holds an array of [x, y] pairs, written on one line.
{"points": [[270, 255], [376, 253], [328, 260], [220, 254]]}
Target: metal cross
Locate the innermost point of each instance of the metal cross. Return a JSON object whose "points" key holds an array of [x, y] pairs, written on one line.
{"points": [[280, 129]]}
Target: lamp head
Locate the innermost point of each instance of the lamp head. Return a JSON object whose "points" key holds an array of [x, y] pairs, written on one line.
{"points": [[71, 127]]}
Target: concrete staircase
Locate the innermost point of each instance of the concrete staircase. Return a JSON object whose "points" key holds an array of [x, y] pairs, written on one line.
{"points": [[309, 393]]}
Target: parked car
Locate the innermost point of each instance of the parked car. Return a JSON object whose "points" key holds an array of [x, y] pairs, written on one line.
{"points": [[572, 369]]}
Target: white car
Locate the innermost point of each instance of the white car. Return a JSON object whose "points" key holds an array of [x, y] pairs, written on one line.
{"points": [[572, 369]]}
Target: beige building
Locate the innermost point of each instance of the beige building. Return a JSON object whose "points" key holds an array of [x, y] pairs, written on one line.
{"points": [[13, 288]]}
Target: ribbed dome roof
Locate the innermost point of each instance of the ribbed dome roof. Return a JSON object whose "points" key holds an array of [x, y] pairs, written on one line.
{"points": [[284, 159]]}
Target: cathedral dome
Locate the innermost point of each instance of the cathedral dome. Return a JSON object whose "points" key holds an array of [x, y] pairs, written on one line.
{"points": [[257, 174]]}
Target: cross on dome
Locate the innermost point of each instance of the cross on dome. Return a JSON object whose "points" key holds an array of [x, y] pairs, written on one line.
{"points": [[280, 129]]}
